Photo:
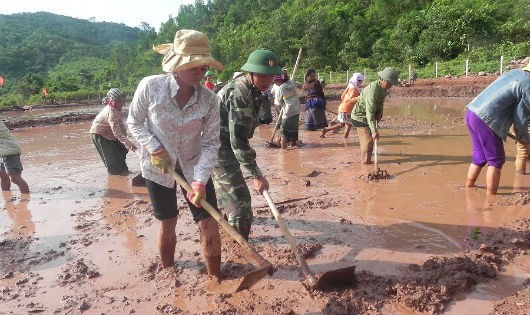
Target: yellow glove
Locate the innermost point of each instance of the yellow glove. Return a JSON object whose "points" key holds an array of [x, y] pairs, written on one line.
{"points": [[160, 159], [198, 193]]}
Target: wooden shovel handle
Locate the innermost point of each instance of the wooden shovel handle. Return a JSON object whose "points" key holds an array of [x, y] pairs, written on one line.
{"points": [[376, 162], [290, 239], [277, 124], [262, 262]]}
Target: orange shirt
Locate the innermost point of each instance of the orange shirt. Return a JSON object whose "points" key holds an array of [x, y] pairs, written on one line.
{"points": [[349, 99]]}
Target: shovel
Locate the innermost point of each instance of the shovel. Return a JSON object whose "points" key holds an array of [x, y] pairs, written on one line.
{"points": [[271, 143], [265, 266], [138, 180], [340, 276], [378, 173]]}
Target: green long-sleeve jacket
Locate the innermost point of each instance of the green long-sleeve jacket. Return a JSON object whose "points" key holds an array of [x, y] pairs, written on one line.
{"points": [[240, 104], [369, 107]]}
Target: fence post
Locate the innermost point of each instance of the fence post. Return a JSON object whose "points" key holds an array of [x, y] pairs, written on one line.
{"points": [[347, 75], [467, 67], [410, 72], [502, 61], [436, 70]]}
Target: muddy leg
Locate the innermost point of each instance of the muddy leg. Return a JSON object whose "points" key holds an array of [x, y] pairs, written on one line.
{"points": [[493, 177], [327, 129], [5, 181], [283, 143], [367, 144], [472, 174], [167, 240], [347, 131], [520, 158], [20, 182], [211, 245]]}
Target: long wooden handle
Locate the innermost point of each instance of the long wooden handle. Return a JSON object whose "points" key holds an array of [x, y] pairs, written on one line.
{"points": [[290, 239], [277, 124], [296, 63], [376, 163], [262, 262]]}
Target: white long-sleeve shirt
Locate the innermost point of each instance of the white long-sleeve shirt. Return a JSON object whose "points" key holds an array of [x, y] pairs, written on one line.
{"points": [[190, 135]]}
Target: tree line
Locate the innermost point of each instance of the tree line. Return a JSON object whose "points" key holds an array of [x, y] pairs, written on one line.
{"points": [[78, 58]]}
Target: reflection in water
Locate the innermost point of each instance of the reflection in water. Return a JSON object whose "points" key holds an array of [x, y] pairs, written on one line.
{"points": [[16, 246], [117, 196]]}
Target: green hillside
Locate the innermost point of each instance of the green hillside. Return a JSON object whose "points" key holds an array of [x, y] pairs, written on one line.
{"points": [[75, 58]]}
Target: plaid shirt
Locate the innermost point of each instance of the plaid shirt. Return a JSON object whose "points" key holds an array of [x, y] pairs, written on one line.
{"points": [[109, 124]]}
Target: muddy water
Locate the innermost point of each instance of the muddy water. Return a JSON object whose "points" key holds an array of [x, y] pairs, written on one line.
{"points": [[422, 211]]}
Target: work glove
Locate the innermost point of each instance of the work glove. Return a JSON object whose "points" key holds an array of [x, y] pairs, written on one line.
{"points": [[197, 194], [160, 159]]}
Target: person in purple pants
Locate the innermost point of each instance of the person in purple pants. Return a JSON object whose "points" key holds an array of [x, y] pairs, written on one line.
{"points": [[489, 116]]}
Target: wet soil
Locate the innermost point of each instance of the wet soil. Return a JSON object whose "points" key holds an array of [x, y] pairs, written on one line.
{"points": [[85, 242]]}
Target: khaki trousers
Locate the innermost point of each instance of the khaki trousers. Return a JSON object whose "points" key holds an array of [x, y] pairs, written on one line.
{"points": [[367, 144]]}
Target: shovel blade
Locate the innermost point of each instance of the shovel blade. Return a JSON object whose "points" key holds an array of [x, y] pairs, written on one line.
{"points": [[138, 180], [253, 277], [341, 276], [272, 144]]}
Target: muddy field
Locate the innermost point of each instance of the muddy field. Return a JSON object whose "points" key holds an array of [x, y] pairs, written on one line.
{"points": [[85, 242]]}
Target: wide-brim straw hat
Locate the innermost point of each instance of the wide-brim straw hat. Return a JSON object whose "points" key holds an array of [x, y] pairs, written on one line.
{"points": [[190, 49]]}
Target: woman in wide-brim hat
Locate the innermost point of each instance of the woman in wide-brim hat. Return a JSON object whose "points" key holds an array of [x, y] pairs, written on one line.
{"points": [[176, 121]]}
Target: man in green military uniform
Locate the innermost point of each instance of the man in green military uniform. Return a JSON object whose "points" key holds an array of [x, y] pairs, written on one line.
{"points": [[369, 110], [240, 103]]}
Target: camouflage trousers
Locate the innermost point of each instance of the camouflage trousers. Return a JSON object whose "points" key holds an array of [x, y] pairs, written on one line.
{"points": [[233, 195]]}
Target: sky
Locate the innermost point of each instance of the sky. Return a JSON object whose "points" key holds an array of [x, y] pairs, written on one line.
{"points": [[129, 12]]}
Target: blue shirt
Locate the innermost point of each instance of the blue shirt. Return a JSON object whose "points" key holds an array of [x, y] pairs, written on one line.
{"points": [[504, 102]]}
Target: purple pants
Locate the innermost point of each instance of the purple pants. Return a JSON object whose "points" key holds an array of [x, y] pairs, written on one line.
{"points": [[487, 146]]}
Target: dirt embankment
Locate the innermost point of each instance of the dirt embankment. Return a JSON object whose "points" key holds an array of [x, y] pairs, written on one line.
{"points": [[444, 87], [469, 86]]}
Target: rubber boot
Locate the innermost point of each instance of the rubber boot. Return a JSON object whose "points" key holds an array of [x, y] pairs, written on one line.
{"points": [[366, 143], [211, 246]]}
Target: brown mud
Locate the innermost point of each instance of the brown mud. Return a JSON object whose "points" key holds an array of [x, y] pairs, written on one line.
{"points": [[85, 242]]}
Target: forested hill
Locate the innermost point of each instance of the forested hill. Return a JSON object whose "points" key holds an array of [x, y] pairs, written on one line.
{"points": [[76, 57], [37, 42]]}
